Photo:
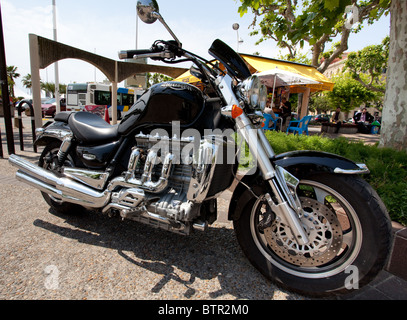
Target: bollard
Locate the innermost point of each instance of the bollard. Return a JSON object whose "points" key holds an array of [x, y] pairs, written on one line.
{"points": [[20, 125], [20, 122], [32, 125], [1, 147]]}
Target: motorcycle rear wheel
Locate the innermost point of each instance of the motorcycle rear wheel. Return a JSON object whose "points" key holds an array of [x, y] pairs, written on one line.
{"points": [[349, 231], [48, 160]]}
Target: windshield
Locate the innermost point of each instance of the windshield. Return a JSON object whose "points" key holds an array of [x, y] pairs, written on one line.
{"points": [[50, 101], [230, 59]]}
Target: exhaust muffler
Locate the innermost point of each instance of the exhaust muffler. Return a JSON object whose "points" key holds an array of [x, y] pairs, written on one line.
{"points": [[61, 188]]}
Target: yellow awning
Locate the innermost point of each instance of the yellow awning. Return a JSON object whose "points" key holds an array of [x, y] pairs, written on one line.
{"points": [[187, 77], [259, 64]]}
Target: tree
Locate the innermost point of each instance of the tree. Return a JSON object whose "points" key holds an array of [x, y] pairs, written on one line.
{"points": [[292, 23], [348, 93], [369, 64], [394, 125], [49, 88], [27, 81], [320, 103], [154, 78], [11, 75], [299, 57]]}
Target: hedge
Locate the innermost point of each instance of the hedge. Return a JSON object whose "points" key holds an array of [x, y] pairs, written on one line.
{"points": [[388, 168]]}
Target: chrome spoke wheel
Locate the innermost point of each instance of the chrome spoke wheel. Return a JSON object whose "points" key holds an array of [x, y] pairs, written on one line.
{"points": [[331, 224]]}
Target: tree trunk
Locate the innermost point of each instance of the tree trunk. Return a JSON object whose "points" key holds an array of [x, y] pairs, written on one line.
{"points": [[394, 126]]}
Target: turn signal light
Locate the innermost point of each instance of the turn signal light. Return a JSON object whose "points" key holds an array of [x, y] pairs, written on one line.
{"points": [[236, 111]]}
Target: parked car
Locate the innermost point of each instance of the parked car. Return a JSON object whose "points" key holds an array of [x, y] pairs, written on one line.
{"points": [[49, 107], [321, 118], [23, 103]]}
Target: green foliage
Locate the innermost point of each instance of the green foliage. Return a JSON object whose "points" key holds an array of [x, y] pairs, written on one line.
{"points": [[154, 78], [320, 103], [11, 75], [348, 93], [49, 88], [293, 23], [300, 57], [388, 168], [372, 61]]}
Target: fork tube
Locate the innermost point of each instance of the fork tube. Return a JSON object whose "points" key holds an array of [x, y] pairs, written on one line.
{"points": [[265, 143], [262, 155], [256, 146]]}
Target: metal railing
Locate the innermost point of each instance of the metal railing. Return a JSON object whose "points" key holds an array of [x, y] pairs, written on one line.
{"points": [[20, 124]]}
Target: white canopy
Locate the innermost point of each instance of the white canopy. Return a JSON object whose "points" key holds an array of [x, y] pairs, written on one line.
{"points": [[278, 78]]}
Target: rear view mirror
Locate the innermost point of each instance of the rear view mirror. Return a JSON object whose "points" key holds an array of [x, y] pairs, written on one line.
{"points": [[148, 10]]}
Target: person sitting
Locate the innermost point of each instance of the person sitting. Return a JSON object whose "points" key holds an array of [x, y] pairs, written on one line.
{"points": [[269, 110], [363, 119], [338, 119], [285, 108]]}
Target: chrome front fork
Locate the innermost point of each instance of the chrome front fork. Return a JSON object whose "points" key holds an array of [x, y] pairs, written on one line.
{"points": [[286, 204]]}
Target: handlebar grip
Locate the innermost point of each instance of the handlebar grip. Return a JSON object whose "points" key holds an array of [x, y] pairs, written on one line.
{"points": [[129, 54]]}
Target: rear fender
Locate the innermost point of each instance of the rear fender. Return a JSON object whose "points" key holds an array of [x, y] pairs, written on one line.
{"points": [[52, 131], [300, 164]]}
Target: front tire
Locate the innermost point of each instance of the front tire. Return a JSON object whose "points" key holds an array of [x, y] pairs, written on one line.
{"points": [[349, 231]]}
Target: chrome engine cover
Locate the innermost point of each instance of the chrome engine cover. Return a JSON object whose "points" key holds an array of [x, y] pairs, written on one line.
{"points": [[167, 181]]}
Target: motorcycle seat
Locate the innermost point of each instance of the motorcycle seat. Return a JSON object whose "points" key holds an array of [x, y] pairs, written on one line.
{"points": [[63, 116], [90, 128]]}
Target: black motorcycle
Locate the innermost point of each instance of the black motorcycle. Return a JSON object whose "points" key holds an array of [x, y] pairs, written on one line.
{"points": [[305, 220]]}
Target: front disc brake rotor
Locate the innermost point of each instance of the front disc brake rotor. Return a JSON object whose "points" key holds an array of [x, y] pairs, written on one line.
{"points": [[324, 232]]}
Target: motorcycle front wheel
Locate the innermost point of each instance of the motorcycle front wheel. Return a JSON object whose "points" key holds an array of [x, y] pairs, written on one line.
{"points": [[349, 234]]}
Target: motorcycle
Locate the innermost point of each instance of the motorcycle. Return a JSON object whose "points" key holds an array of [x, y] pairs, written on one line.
{"points": [[306, 220]]}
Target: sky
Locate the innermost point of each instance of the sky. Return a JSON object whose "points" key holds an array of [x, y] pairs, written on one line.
{"points": [[106, 27]]}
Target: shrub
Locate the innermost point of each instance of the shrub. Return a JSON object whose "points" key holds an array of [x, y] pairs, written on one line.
{"points": [[388, 168]]}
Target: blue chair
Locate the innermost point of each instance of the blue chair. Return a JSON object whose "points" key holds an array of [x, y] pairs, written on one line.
{"points": [[299, 126], [270, 123]]}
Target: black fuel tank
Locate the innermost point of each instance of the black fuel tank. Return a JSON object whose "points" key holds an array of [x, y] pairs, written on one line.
{"points": [[167, 102]]}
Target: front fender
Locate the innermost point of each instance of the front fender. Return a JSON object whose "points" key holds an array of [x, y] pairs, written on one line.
{"points": [[300, 164]]}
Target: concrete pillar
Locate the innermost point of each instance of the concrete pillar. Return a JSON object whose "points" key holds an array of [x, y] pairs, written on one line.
{"points": [[304, 105], [114, 94], [35, 79], [114, 103]]}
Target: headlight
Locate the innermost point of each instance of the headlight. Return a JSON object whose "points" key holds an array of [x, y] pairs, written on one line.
{"points": [[255, 92]]}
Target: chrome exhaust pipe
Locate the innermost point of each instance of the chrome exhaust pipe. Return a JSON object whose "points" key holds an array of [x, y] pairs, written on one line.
{"points": [[61, 188]]}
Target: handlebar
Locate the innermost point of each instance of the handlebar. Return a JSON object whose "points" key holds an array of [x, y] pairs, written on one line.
{"points": [[168, 51], [159, 50], [130, 54]]}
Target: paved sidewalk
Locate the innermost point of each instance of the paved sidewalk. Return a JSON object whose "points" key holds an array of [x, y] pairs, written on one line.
{"points": [[386, 286], [365, 138]]}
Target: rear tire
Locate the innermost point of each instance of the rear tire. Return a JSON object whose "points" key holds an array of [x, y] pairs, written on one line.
{"points": [[48, 160], [350, 232]]}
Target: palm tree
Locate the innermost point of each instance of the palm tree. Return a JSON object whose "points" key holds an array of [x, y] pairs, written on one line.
{"points": [[11, 75], [49, 89], [27, 81]]}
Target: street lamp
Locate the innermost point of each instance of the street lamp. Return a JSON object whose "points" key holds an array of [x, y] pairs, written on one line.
{"points": [[57, 96], [236, 27]]}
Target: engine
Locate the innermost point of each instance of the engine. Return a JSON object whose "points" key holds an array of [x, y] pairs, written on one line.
{"points": [[172, 183]]}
